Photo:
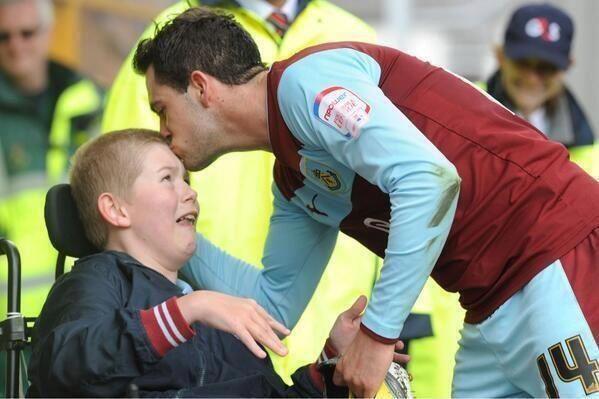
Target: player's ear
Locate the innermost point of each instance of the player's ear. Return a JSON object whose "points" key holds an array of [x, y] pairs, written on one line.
{"points": [[113, 211], [201, 87]]}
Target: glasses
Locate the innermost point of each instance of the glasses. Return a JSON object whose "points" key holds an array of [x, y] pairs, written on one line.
{"points": [[25, 34], [543, 68]]}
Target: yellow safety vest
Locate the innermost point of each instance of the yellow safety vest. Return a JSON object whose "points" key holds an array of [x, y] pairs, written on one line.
{"points": [[587, 157], [236, 200], [22, 203]]}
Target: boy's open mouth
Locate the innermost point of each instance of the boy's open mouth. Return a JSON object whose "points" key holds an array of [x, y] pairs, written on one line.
{"points": [[189, 218]]}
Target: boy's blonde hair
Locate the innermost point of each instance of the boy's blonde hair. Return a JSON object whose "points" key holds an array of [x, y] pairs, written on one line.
{"points": [[108, 163]]}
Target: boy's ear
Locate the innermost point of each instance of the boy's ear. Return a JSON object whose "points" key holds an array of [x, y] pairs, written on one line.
{"points": [[112, 210]]}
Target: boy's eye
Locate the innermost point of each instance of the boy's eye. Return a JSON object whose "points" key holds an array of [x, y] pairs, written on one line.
{"points": [[167, 178]]}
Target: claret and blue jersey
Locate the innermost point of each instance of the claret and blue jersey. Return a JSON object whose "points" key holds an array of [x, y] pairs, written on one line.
{"points": [[420, 167], [378, 144], [350, 159]]}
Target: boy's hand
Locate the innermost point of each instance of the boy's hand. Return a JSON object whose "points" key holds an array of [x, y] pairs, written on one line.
{"points": [[242, 317], [347, 326]]}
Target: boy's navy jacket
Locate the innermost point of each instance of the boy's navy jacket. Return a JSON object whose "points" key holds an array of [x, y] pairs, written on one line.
{"points": [[90, 340]]}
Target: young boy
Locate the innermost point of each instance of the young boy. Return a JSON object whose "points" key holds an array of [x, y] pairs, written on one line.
{"points": [[122, 317]]}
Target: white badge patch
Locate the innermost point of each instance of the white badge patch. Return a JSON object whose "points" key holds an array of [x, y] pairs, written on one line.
{"points": [[341, 109]]}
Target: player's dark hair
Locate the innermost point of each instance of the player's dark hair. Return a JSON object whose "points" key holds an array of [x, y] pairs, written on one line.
{"points": [[199, 39]]}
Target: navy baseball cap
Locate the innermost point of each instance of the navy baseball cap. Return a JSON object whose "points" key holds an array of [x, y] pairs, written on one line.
{"points": [[540, 31]]}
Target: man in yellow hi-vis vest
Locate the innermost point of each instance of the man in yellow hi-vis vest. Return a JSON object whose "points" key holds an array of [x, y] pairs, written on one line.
{"points": [[46, 111], [231, 217]]}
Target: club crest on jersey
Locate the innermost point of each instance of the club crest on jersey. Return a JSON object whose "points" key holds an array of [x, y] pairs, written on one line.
{"points": [[328, 177], [343, 110], [324, 175]]}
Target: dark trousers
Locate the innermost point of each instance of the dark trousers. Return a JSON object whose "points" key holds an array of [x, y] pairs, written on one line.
{"points": [[231, 370]]}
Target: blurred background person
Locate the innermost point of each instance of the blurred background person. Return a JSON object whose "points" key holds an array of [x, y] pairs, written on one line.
{"points": [[533, 62], [46, 111]]}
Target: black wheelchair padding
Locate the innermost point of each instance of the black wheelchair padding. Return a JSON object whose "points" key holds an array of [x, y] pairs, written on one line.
{"points": [[64, 225]]}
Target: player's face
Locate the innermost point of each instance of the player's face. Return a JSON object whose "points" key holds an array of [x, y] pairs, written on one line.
{"points": [[163, 208], [530, 83], [24, 39], [191, 130]]}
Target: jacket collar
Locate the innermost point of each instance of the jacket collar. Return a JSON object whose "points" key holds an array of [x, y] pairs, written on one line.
{"points": [[301, 4], [581, 128]]}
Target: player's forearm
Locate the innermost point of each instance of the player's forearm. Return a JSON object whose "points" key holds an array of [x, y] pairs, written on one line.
{"points": [[419, 228], [211, 268], [276, 288]]}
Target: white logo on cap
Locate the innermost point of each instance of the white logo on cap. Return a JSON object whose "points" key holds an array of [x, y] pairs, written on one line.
{"points": [[541, 27]]}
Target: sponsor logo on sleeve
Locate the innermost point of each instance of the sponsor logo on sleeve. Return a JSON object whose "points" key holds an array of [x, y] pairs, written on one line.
{"points": [[377, 224], [343, 110]]}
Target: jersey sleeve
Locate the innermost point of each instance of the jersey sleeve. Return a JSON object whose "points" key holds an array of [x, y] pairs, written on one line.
{"points": [[341, 110], [296, 253]]}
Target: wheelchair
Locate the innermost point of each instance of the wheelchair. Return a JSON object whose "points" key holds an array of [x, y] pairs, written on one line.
{"points": [[68, 238]]}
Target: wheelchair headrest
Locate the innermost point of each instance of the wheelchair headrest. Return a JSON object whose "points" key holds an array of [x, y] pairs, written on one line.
{"points": [[64, 226]]}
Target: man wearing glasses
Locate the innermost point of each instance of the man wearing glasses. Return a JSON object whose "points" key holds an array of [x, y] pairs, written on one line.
{"points": [[530, 81], [46, 111]]}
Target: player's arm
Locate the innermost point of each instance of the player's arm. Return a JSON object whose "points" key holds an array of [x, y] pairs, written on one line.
{"points": [[343, 112], [386, 149], [296, 253]]}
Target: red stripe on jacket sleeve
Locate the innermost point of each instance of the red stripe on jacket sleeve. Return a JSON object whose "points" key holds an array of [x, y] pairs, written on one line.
{"points": [[165, 326], [316, 377], [328, 352]]}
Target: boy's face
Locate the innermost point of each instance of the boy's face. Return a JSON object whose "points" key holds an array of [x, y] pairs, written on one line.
{"points": [[163, 208]]}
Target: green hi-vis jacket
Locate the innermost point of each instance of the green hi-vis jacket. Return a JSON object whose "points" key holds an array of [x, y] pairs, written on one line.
{"points": [[236, 200], [37, 136]]}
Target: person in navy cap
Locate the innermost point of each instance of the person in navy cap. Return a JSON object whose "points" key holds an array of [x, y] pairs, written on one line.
{"points": [[533, 62]]}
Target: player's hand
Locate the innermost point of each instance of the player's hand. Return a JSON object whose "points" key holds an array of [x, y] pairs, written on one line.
{"points": [[242, 317], [364, 365], [400, 357]]}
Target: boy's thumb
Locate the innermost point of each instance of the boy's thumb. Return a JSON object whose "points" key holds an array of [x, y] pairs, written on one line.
{"points": [[358, 307]]}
